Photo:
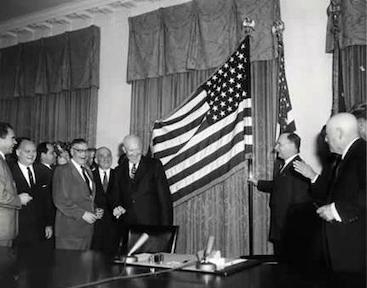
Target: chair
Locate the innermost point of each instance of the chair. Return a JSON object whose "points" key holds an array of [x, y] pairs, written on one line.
{"points": [[161, 238]]}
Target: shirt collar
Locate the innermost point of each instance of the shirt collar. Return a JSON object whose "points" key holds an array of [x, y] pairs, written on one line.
{"points": [[348, 146], [287, 161]]}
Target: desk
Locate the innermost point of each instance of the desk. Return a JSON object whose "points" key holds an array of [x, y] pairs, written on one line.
{"points": [[65, 268]]}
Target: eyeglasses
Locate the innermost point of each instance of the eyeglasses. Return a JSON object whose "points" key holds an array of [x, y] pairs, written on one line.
{"points": [[80, 150]]}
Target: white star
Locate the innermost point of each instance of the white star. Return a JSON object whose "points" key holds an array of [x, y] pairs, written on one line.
{"points": [[239, 76]]}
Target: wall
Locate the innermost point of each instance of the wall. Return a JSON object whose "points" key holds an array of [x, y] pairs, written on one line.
{"points": [[308, 68]]}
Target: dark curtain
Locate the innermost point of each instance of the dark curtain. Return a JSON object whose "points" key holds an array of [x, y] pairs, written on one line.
{"points": [[49, 87], [346, 38], [164, 71]]}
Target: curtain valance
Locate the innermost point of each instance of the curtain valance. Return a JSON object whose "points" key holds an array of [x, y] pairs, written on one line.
{"points": [[353, 19], [68, 61], [197, 35]]}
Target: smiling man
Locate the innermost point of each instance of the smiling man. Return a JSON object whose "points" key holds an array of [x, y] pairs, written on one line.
{"points": [[73, 193], [35, 219]]}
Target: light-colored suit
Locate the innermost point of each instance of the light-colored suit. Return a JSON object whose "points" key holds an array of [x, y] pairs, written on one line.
{"points": [[72, 198], [9, 205]]}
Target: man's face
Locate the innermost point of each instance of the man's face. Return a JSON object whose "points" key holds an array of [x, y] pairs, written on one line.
{"points": [[284, 147], [26, 152], [79, 153], [133, 150], [50, 156], [104, 159], [7, 143]]}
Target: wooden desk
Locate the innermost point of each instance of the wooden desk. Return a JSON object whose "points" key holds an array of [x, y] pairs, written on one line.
{"points": [[62, 268]]}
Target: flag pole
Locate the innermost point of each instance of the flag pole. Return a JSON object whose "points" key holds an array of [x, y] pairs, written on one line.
{"points": [[249, 25]]}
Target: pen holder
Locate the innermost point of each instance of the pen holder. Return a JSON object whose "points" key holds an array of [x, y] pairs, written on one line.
{"points": [[206, 266]]}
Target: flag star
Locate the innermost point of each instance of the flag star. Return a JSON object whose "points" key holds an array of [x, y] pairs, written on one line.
{"points": [[214, 117], [218, 89], [226, 65], [215, 77], [238, 85], [229, 108], [224, 85], [232, 70], [237, 95], [231, 59], [240, 66], [244, 93], [215, 108], [231, 80], [222, 104], [225, 74], [239, 76], [230, 99], [230, 90], [220, 71], [241, 56], [223, 94], [222, 113], [209, 83]]}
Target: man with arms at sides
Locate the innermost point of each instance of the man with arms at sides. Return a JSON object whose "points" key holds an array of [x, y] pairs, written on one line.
{"points": [[73, 191], [10, 201], [141, 192], [289, 200], [46, 158], [105, 229], [35, 219]]}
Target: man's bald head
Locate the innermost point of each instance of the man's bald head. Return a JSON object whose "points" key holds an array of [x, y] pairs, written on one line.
{"points": [[341, 130], [26, 152], [133, 148]]}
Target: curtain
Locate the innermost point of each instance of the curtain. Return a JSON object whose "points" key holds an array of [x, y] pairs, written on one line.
{"points": [[162, 80], [49, 87], [346, 38]]}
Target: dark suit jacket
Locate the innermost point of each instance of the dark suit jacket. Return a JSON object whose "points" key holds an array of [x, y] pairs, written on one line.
{"points": [[46, 173], [37, 214], [288, 189], [9, 203], [72, 199], [346, 240], [147, 198], [105, 229]]}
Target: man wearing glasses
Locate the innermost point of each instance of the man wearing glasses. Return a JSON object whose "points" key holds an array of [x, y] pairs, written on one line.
{"points": [[73, 194]]}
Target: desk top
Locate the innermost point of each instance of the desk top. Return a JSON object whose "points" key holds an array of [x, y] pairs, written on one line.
{"points": [[66, 268]]}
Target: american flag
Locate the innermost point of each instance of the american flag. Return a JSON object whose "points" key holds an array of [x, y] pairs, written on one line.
{"points": [[286, 120], [210, 135]]}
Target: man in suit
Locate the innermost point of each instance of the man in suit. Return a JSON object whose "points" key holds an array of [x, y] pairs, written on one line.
{"points": [[73, 193], [35, 219], [141, 193], [344, 214], [289, 199], [105, 229], [10, 201]]}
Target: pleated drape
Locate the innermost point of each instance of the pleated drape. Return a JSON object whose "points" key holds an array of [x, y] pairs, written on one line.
{"points": [[49, 87]]}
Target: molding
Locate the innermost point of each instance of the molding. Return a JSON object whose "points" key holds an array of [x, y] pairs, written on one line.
{"points": [[84, 7]]}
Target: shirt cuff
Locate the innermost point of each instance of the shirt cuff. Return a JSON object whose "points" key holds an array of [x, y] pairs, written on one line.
{"points": [[315, 178], [335, 213]]}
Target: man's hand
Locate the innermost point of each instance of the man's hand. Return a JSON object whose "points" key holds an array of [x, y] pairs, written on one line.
{"points": [[48, 232], [99, 213], [304, 169], [89, 217], [325, 212], [25, 198], [118, 211], [252, 180]]}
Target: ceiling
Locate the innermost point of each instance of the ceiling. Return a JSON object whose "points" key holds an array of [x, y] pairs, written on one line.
{"points": [[16, 8]]}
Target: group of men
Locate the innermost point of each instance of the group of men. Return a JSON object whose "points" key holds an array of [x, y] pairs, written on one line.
{"points": [[327, 211], [71, 205]]}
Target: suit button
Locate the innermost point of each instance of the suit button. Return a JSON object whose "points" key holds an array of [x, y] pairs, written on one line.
{"points": [[133, 201]]}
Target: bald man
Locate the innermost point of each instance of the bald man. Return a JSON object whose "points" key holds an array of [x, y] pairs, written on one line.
{"points": [[142, 194], [105, 229], [345, 211]]}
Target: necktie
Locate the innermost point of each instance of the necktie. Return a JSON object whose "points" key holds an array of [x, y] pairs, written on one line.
{"points": [[85, 175], [30, 176], [105, 182], [133, 171]]}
